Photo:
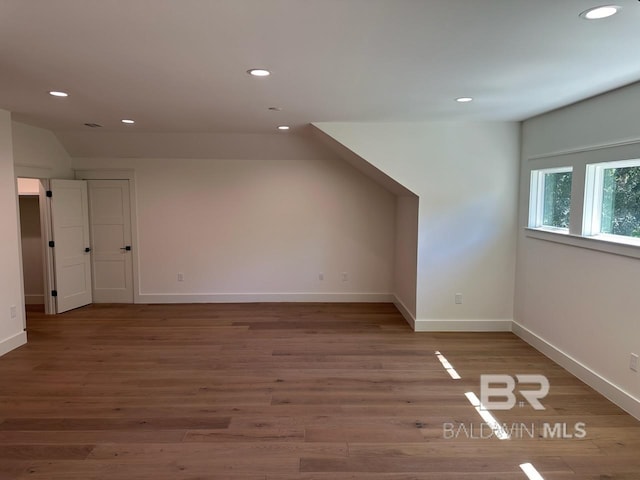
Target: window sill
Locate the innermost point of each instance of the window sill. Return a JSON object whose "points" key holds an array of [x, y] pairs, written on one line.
{"points": [[627, 247]]}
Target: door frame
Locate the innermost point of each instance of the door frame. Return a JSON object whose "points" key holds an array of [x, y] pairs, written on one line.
{"points": [[43, 174], [121, 174], [46, 235]]}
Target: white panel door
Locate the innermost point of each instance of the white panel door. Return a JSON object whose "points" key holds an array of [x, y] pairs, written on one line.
{"points": [[70, 232], [110, 224]]}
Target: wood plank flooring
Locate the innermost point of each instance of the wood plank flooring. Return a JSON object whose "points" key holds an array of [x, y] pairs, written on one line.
{"points": [[284, 392]]}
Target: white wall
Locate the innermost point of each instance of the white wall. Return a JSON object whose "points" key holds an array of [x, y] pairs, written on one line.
{"points": [[231, 146], [11, 329], [465, 175], [37, 153], [406, 254], [31, 241], [258, 229], [579, 304]]}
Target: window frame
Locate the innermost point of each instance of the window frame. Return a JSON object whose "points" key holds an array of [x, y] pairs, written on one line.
{"points": [[593, 198], [536, 198]]}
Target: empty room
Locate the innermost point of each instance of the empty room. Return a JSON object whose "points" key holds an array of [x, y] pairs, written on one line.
{"points": [[319, 240]]}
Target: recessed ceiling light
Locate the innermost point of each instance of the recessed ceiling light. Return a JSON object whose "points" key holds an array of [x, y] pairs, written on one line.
{"points": [[58, 94], [259, 72], [464, 99], [283, 127], [597, 13], [128, 122]]}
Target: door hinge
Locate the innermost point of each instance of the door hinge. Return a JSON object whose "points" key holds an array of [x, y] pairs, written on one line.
{"points": [[52, 243], [54, 293], [49, 193]]}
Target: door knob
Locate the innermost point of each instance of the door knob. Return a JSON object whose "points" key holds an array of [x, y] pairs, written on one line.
{"points": [[87, 250], [127, 248]]}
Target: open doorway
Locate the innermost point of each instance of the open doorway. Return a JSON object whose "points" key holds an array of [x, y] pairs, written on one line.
{"points": [[34, 238], [61, 249], [32, 257]]}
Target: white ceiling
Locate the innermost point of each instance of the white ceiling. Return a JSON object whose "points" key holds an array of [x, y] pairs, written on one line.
{"points": [[179, 65]]}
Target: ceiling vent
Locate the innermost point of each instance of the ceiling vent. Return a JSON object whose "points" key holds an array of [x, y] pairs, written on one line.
{"points": [[92, 125]]}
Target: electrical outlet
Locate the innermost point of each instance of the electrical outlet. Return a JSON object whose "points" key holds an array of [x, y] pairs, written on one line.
{"points": [[13, 311], [345, 277], [458, 299], [633, 362], [180, 277], [321, 276]]}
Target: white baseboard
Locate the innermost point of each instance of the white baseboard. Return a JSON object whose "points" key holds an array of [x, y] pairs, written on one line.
{"points": [[404, 311], [433, 325], [265, 298], [12, 342], [623, 399], [34, 299]]}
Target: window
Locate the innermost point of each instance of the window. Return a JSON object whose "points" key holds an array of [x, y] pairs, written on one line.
{"points": [[550, 201], [605, 212], [612, 199]]}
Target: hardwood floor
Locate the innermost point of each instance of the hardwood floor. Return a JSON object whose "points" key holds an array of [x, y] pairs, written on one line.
{"points": [[284, 392]]}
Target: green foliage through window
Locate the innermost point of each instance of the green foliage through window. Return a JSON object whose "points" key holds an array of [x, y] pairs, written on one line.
{"points": [[557, 199], [621, 201]]}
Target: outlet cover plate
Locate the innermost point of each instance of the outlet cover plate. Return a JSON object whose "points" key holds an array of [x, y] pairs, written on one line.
{"points": [[633, 362]]}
